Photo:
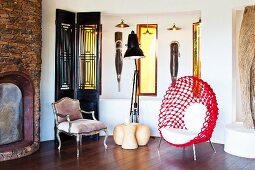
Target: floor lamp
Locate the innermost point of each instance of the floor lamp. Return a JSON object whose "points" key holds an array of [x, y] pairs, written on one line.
{"points": [[134, 52]]}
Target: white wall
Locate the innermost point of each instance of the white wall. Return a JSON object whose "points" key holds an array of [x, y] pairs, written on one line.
{"points": [[216, 54], [184, 36], [48, 70], [115, 111]]}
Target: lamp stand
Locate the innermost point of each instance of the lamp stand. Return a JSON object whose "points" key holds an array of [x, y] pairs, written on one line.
{"points": [[134, 108]]}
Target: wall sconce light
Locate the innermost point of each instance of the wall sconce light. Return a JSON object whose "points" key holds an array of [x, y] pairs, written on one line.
{"points": [[174, 28], [147, 31], [199, 21], [122, 24]]}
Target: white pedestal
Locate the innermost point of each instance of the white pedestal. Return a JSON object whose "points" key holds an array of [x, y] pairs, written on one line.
{"points": [[239, 141]]}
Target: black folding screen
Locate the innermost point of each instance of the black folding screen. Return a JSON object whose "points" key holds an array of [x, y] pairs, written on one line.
{"points": [[78, 57], [65, 54]]}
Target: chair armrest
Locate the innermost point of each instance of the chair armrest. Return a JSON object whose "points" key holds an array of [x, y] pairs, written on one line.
{"points": [[89, 112], [64, 116], [68, 120]]}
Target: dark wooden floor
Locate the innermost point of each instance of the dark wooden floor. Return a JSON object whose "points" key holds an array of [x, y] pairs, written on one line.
{"points": [[93, 156]]}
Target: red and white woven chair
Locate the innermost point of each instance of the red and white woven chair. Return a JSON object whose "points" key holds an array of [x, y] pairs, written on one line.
{"points": [[188, 113]]}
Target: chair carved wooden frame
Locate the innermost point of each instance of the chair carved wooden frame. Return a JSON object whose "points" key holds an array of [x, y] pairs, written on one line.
{"points": [[69, 120]]}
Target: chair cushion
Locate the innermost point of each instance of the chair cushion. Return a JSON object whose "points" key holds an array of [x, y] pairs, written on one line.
{"points": [[194, 117], [177, 136], [82, 126]]}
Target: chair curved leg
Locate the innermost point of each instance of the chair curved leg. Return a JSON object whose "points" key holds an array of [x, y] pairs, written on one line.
{"points": [[59, 140], [80, 140], [78, 145], [212, 146], [105, 138], [194, 152]]}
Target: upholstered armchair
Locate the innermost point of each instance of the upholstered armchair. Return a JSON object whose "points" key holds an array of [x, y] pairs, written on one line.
{"points": [[69, 120]]}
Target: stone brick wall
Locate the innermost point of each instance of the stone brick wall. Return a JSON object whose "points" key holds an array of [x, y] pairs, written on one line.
{"points": [[20, 44], [20, 36]]}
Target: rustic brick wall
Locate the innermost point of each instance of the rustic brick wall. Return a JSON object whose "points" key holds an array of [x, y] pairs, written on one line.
{"points": [[20, 36], [20, 44]]}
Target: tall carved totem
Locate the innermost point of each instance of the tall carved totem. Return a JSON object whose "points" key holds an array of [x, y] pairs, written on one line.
{"points": [[247, 66]]}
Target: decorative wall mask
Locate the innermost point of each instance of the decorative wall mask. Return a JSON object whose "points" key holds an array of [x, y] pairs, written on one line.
{"points": [[118, 56], [174, 54]]}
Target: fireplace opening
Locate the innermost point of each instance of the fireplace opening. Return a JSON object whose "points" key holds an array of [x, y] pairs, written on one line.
{"points": [[16, 111], [11, 114]]}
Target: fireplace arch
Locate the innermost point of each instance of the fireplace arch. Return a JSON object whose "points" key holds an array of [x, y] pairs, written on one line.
{"points": [[27, 144]]}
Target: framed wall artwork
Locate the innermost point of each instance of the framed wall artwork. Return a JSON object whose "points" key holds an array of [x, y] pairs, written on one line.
{"points": [[196, 49], [147, 66]]}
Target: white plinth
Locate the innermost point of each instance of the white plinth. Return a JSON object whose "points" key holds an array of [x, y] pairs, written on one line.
{"points": [[239, 141]]}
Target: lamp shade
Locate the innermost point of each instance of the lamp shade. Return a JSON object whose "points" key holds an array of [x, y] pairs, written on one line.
{"points": [[133, 51]]}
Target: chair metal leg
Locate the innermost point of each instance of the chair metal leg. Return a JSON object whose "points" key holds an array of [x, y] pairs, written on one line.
{"points": [[194, 152], [105, 138], [80, 140], [59, 140], [212, 146], [78, 145], [159, 142]]}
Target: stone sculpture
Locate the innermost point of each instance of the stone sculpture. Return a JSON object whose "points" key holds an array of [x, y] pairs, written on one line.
{"points": [[247, 66]]}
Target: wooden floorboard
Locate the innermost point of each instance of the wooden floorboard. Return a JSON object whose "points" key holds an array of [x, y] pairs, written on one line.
{"points": [[94, 157]]}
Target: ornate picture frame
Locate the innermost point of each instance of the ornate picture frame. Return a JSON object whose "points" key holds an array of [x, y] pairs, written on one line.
{"points": [[196, 27]]}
